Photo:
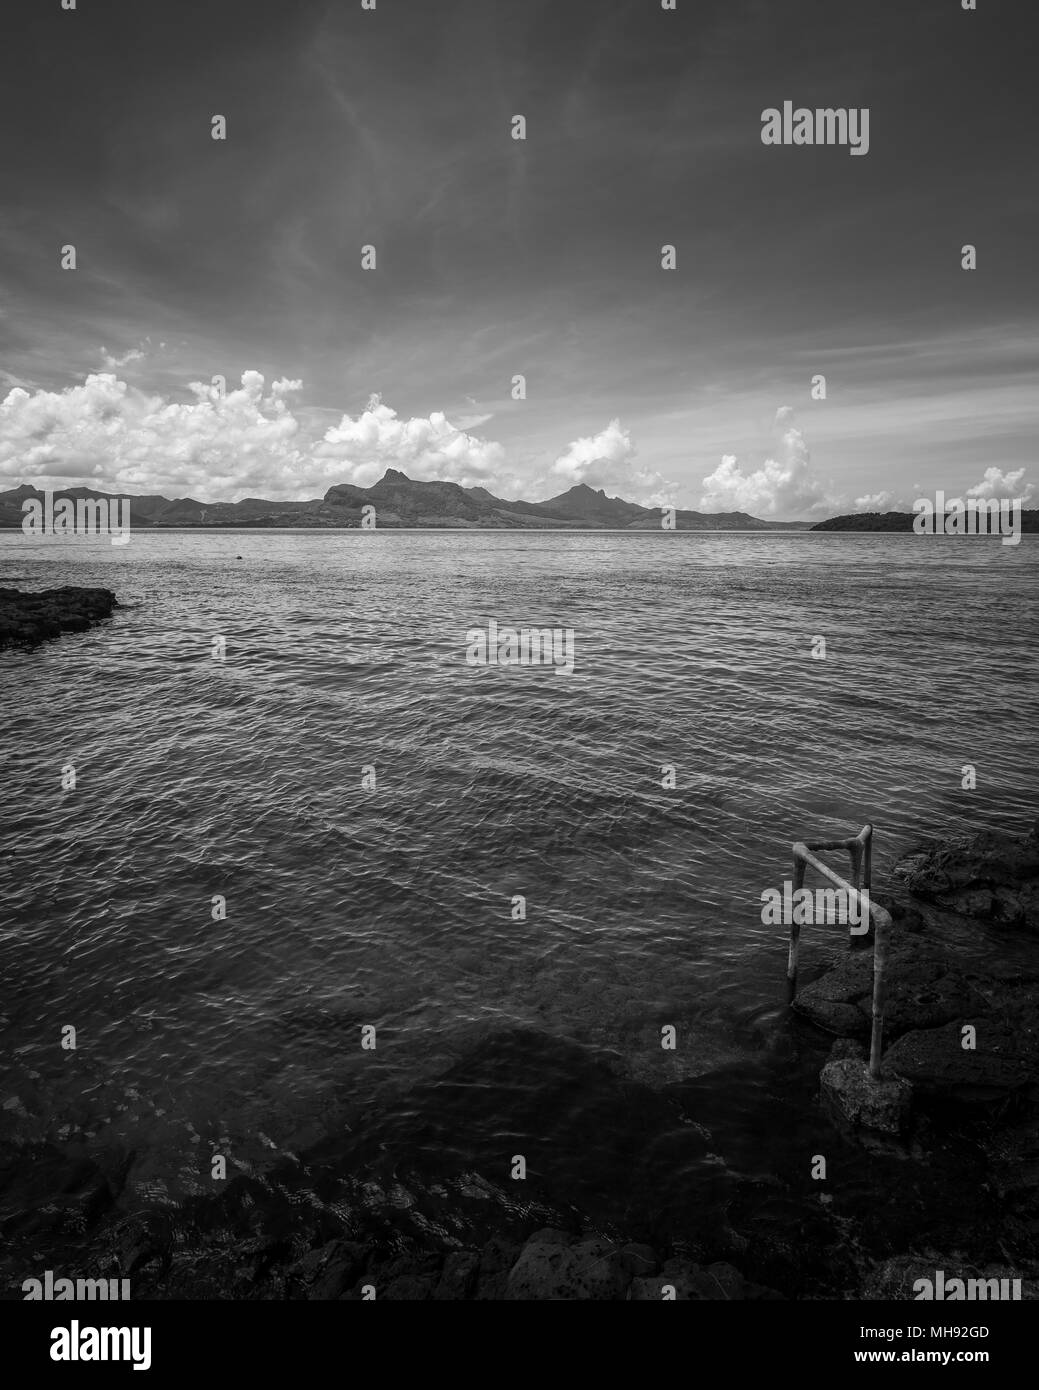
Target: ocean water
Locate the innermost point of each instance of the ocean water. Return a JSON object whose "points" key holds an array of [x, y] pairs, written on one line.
{"points": [[392, 906]]}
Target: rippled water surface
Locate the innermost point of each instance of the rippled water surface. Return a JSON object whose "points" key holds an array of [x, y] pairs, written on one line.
{"points": [[345, 906]]}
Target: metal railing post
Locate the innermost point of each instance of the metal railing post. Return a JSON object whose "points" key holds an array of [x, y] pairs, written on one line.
{"points": [[860, 851], [795, 927], [879, 961]]}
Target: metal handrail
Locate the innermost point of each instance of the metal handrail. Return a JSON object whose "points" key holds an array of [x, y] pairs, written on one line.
{"points": [[860, 851]]}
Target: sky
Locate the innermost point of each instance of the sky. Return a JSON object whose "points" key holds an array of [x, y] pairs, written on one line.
{"points": [[346, 127]]}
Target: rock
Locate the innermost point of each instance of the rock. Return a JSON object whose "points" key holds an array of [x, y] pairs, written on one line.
{"points": [[921, 990], [990, 876], [550, 1269], [458, 1278], [639, 1260], [496, 1259], [882, 1105], [410, 1287], [895, 1278], [935, 1061], [330, 1269], [691, 1283], [27, 619], [906, 917], [142, 1239]]}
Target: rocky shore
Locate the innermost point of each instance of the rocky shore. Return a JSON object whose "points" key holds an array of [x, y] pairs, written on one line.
{"points": [[26, 619], [957, 1192]]}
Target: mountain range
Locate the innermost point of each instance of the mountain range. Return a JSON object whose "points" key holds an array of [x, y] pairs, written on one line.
{"points": [[399, 501]]}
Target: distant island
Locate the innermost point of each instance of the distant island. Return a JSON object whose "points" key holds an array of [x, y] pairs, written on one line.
{"points": [[898, 521], [399, 501]]}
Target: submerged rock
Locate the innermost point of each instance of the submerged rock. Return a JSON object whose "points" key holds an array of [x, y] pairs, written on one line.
{"points": [[27, 619]]}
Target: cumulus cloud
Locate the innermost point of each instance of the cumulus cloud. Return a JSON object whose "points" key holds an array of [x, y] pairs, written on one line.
{"points": [[996, 483], [877, 502], [108, 432], [784, 487], [426, 448], [607, 460], [224, 444]]}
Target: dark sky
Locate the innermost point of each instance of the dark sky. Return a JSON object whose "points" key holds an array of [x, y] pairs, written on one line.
{"points": [[496, 257]]}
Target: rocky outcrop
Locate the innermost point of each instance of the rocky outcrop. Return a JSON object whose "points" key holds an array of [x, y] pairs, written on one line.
{"points": [[990, 877], [921, 1278], [552, 1265], [976, 1059], [923, 989], [882, 1104], [28, 619], [959, 1023]]}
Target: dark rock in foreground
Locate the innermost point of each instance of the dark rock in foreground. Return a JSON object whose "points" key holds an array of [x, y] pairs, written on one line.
{"points": [[28, 619], [916, 1277], [882, 1104], [683, 1200], [957, 1025], [989, 877], [923, 990]]}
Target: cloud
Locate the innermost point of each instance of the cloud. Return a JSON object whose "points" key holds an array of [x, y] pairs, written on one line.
{"points": [[226, 444], [108, 432], [784, 487], [9, 379], [996, 483], [606, 460], [113, 363], [426, 448], [877, 502]]}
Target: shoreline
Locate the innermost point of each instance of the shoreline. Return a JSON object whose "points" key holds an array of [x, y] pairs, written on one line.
{"points": [[959, 1191]]}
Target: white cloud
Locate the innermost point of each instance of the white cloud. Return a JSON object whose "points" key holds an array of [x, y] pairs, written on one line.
{"points": [[426, 448], [113, 363], [606, 460], [877, 502], [783, 487], [247, 441], [996, 483], [106, 432]]}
